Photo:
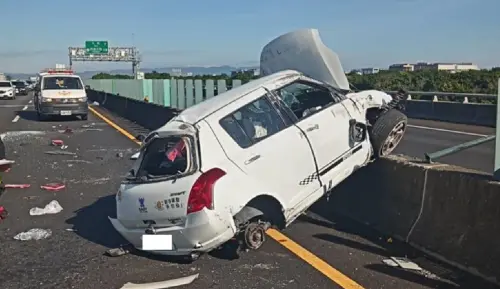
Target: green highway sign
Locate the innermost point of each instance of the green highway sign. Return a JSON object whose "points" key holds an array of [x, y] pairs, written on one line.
{"points": [[96, 47]]}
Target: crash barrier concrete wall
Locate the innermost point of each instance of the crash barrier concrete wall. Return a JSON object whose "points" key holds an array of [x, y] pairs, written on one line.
{"points": [[450, 212], [470, 113], [182, 93], [148, 115]]}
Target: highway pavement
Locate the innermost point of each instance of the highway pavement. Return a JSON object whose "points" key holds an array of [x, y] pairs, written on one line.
{"points": [[320, 250], [423, 136]]}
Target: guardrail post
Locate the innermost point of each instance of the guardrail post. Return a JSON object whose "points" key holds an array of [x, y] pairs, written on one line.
{"points": [[496, 172]]}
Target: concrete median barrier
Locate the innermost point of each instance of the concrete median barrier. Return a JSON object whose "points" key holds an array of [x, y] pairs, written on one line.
{"points": [[448, 211], [455, 112], [147, 115]]}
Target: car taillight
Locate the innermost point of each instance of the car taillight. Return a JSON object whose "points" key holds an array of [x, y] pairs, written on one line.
{"points": [[201, 194]]}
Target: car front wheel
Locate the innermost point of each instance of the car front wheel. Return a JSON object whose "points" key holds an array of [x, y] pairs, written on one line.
{"points": [[387, 132]]}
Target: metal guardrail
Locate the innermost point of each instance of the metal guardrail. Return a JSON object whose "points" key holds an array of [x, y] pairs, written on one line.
{"points": [[436, 95], [431, 157]]}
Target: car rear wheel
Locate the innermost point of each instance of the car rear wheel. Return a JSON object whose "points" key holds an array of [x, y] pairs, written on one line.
{"points": [[387, 132]]}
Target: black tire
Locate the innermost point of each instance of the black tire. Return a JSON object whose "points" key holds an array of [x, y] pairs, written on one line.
{"points": [[85, 117], [390, 124]]}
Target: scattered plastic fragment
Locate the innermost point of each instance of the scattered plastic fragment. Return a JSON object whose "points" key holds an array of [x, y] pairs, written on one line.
{"points": [[51, 208], [30, 197], [68, 131], [70, 230], [95, 103], [53, 187], [63, 147], [17, 186], [119, 155], [57, 142], [117, 252], [33, 234], [4, 162], [390, 262], [389, 240], [135, 156], [405, 263], [60, 153], [3, 213], [162, 284]]}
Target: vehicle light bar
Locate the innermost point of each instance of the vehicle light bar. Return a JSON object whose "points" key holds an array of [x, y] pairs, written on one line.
{"points": [[58, 71]]}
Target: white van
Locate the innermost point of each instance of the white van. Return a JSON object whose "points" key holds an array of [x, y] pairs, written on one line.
{"points": [[60, 93]]}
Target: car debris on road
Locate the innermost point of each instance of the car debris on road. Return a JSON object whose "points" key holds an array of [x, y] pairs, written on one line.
{"points": [[162, 284], [34, 234], [53, 187], [228, 166], [51, 208]]}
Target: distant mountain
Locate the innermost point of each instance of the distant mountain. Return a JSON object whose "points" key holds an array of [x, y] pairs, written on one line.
{"points": [[195, 70]]}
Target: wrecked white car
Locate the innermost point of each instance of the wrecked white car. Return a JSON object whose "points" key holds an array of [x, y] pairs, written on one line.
{"points": [[258, 155]]}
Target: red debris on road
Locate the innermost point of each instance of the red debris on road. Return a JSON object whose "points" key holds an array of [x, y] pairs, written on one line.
{"points": [[3, 213], [53, 187], [57, 142], [17, 186]]}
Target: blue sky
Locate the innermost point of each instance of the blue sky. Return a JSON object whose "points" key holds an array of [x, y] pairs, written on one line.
{"points": [[365, 33]]}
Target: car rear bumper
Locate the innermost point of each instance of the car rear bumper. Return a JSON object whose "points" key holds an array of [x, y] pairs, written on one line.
{"points": [[61, 108], [201, 232]]}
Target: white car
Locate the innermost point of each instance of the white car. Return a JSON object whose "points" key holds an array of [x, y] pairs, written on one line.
{"points": [[258, 155], [7, 90]]}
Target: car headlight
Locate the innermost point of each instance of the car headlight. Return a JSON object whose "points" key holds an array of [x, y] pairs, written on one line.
{"points": [[46, 99], [82, 99]]}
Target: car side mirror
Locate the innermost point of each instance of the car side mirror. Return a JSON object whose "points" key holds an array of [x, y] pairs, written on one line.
{"points": [[357, 131]]}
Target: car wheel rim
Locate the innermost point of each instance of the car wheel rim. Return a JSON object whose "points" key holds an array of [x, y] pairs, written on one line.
{"points": [[393, 139]]}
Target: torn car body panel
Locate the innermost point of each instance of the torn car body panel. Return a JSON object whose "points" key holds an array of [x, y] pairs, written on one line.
{"points": [[304, 51]]}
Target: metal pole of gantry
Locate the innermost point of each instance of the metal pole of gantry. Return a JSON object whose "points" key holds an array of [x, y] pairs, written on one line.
{"points": [[496, 171]]}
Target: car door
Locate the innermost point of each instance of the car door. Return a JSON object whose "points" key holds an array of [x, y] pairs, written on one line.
{"points": [[324, 119], [269, 149]]}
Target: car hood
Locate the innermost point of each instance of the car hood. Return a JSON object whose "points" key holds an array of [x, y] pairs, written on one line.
{"points": [[304, 51]]}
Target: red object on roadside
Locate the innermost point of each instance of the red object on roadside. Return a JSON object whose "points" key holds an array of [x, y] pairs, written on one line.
{"points": [[53, 187], [17, 186], [3, 213], [57, 142]]}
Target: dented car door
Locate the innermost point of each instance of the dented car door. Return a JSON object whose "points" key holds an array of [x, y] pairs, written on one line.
{"points": [[269, 148]]}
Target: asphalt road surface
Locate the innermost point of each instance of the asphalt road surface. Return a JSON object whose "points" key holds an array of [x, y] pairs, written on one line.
{"points": [[320, 250], [424, 136]]}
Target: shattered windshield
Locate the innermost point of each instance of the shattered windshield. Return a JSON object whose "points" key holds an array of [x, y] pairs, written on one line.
{"points": [[166, 157]]}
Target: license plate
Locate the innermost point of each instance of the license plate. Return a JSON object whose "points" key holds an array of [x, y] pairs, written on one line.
{"points": [[157, 242], [65, 112]]}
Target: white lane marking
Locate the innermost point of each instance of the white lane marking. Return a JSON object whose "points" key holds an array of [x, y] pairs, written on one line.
{"points": [[25, 107], [31, 101], [446, 130], [16, 118], [10, 105]]}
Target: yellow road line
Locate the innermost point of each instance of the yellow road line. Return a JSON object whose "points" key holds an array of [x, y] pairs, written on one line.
{"points": [[313, 260], [115, 126]]}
